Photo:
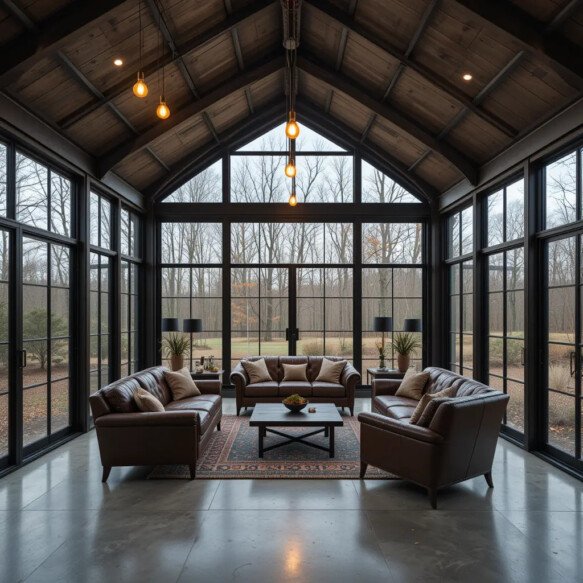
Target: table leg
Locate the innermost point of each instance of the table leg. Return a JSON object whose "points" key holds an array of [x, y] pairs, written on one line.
{"points": [[332, 441], [261, 432], [325, 431]]}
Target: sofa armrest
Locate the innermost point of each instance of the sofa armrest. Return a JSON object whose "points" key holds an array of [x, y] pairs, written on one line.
{"points": [[209, 386], [166, 419], [400, 428], [239, 377], [385, 386]]}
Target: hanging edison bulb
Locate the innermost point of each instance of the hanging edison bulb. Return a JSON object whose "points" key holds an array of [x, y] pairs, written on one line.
{"points": [[163, 111], [290, 169], [292, 129], [140, 88], [293, 199]]}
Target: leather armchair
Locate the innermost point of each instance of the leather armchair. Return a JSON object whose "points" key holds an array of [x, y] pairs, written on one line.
{"points": [[459, 443]]}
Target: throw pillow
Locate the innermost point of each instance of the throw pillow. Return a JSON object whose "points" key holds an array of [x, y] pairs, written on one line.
{"points": [[426, 399], [181, 384], [257, 371], [295, 372], [331, 371], [431, 410], [412, 386], [146, 402]]}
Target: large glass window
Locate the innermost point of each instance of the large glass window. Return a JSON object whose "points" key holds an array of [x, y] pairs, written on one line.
{"points": [[100, 221], [4, 342], [563, 197], [3, 178], [505, 214], [207, 186], [378, 187], [43, 196]]}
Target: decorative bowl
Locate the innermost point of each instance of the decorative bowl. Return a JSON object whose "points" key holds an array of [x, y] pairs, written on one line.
{"points": [[296, 407]]}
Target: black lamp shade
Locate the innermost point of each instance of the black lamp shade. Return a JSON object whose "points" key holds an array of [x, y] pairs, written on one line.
{"points": [[192, 325], [412, 325], [383, 324], [170, 325]]}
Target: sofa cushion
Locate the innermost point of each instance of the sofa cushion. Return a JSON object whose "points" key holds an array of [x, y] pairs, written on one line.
{"points": [[146, 402], [152, 379], [268, 389], [295, 372], [181, 384], [257, 371], [120, 395], [413, 386], [331, 371], [431, 409], [302, 388], [426, 400], [322, 389], [191, 404]]}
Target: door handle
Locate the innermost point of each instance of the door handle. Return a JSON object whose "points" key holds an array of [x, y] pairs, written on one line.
{"points": [[522, 356], [21, 359], [572, 363]]}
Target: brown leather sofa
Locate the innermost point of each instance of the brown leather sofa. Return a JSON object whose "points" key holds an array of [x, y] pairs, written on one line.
{"points": [[458, 444], [274, 391], [128, 437]]}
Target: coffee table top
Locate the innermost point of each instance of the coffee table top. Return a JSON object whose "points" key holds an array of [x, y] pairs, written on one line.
{"points": [[276, 414]]}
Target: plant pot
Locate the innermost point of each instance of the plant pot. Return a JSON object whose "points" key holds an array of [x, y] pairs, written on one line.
{"points": [[403, 361], [177, 362]]}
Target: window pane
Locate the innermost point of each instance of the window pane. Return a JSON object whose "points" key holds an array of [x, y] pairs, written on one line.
{"points": [[392, 242], [324, 179], [467, 230], [495, 204], [105, 223], [3, 167], [207, 186], [191, 243], [60, 204], [94, 218], [378, 187], [453, 235], [32, 192], [259, 179], [515, 210], [561, 191]]}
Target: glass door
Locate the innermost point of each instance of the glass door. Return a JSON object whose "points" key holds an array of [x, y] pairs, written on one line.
{"points": [[5, 348], [564, 346], [44, 356]]}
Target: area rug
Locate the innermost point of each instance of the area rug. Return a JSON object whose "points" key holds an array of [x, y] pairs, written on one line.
{"points": [[232, 454]]}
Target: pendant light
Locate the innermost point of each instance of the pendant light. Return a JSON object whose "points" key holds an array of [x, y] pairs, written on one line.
{"points": [[162, 111], [292, 129], [140, 88], [290, 168], [293, 199]]}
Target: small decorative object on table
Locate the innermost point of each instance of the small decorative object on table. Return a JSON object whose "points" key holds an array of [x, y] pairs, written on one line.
{"points": [[312, 410], [295, 403]]}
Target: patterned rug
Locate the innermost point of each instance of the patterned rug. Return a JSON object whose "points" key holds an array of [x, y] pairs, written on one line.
{"points": [[232, 454]]}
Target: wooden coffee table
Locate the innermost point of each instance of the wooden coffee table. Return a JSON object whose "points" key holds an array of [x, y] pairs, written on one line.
{"points": [[267, 415]]}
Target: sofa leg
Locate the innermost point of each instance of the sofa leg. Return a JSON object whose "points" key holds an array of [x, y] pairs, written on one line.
{"points": [[219, 426], [363, 466], [192, 468], [238, 411], [488, 477], [343, 408], [432, 493], [352, 411], [105, 474]]}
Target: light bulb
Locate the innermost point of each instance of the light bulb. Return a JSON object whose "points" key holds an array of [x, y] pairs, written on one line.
{"points": [[467, 77], [118, 62], [290, 169], [292, 129], [163, 111], [140, 88], [293, 199]]}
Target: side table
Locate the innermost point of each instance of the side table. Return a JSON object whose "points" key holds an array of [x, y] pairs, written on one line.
{"points": [[208, 375], [383, 373]]}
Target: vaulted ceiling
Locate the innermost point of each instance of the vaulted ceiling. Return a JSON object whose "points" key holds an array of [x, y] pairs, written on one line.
{"points": [[389, 73]]}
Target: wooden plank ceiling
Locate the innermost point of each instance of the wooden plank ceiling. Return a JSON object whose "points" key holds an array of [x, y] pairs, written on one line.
{"points": [[390, 73]]}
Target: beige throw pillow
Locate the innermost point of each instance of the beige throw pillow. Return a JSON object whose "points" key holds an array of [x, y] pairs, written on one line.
{"points": [[181, 384], [431, 409], [412, 386], [257, 371], [424, 402], [146, 402], [295, 372], [331, 371]]}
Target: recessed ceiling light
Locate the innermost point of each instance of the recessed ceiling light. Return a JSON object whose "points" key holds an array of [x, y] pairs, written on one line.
{"points": [[118, 62], [467, 77]]}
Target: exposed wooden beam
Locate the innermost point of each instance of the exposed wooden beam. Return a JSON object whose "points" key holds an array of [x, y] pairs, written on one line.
{"points": [[247, 129], [515, 21], [339, 82], [341, 48], [19, 13], [421, 158], [328, 103], [209, 124], [366, 130], [563, 14], [249, 98], [441, 83], [151, 67], [237, 48], [237, 83], [49, 35]]}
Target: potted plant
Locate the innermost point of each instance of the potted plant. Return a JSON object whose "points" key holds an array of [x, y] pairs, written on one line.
{"points": [[382, 347], [175, 347], [405, 344]]}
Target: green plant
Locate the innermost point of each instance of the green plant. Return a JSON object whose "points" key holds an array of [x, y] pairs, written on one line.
{"points": [[35, 327], [294, 400], [312, 348], [175, 345], [405, 343]]}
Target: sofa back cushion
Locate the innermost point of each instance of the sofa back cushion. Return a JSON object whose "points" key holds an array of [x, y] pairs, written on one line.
{"points": [[120, 395], [295, 372], [440, 378], [295, 360], [152, 379]]}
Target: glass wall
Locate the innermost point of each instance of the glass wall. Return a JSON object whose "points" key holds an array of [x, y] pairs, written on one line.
{"points": [[5, 369]]}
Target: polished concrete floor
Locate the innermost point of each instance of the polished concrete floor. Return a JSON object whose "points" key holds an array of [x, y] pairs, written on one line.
{"points": [[58, 522]]}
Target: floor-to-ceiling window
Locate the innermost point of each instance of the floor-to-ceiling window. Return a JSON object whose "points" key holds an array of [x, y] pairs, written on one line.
{"points": [[273, 284]]}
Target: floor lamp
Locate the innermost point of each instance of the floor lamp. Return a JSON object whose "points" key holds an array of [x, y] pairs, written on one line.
{"points": [[190, 326]]}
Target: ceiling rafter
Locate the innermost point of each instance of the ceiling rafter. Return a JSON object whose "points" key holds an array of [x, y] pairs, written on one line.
{"points": [[446, 86], [50, 35], [563, 14], [532, 33], [153, 66], [425, 19], [367, 128], [236, 83], [347, 86]]}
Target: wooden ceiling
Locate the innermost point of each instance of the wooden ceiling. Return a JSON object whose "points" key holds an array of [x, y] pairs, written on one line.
{"points": [[388, 72]]}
